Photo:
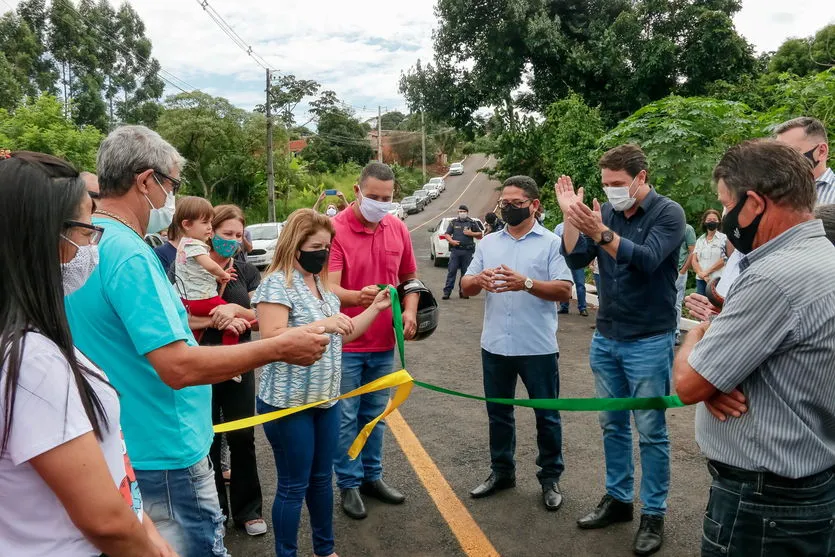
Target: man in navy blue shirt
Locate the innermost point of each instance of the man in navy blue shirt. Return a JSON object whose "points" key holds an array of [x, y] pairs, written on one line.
{"points": [[635, 236], [167, 252]]}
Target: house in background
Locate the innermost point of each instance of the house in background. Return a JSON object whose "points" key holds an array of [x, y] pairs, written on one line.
{"points": [[296, 146]]}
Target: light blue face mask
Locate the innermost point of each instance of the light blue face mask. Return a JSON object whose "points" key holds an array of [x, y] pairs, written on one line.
{"points": [[224, 247]]}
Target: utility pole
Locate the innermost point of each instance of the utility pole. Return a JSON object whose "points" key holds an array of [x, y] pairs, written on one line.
{"points": [[379, 133], [270, 172], [423, 143]]}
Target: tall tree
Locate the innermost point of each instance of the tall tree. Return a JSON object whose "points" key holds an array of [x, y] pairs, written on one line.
{"points": [[806, 56], [286, 92]]}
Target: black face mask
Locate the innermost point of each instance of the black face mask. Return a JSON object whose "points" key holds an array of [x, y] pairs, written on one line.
{"points": [[514, 215], [711, 226], [810, 156], [313, 261], [742, 238]]}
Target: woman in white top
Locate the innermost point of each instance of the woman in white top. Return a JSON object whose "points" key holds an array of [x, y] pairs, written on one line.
{"points": [[66, 485], [711, 251]]}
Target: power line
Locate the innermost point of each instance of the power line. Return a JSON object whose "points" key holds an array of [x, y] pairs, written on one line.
{"points": [[232, 34]]}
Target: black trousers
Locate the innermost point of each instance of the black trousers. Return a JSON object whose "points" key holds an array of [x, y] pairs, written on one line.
{"points": [[235, 401], [459, 260]]}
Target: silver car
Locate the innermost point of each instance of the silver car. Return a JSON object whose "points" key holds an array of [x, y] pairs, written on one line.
{"points": [[439, 181], [423, 195], [456, 169], [411, 205], [433, 190]]}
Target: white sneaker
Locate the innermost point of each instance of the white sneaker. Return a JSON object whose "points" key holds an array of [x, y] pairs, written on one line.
{"points": [[256, 527]]}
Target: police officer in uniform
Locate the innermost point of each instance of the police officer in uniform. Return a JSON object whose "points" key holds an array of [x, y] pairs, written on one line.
{"points": [[461, 235]]}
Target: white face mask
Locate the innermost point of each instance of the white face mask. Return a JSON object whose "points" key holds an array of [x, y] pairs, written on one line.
{"points": [[463, 215], [75, 272], [372, 210], [620, 198], [331, 212], [161, 218]]}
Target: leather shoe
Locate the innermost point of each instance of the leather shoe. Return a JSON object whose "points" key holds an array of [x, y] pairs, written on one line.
{"points": [[461, 295], [609, 511], [352, 503], [551, 496], [650, 535], [493, 484], [379, 489]]}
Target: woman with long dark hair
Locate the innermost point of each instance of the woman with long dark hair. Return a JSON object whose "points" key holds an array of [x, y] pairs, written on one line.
{"points": [[66, 484]]}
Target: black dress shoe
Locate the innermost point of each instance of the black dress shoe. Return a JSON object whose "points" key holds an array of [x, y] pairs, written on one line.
{"points": [[461, 295], [650, 535], [493, 484], [352, 503], [551, 496], [609, 511], [379, 489]]}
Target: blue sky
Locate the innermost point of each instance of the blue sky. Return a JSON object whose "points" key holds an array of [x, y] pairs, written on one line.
{"points": [[358, 48]]}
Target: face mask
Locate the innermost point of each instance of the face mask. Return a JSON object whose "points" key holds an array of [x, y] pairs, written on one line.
{"points": [[741, 238], [515, 216], [75, 272], [331, 212], [372, 210], [463, 216], [224, 247], [161, 218], [810, 154], [711, 226], [620, 197], [313, 261]]}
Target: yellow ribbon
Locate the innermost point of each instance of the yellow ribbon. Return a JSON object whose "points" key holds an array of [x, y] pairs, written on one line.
{"points": [[400, 379]]}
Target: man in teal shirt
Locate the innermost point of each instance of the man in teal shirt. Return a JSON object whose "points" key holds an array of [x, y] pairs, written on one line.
{"points": [[684, 259], [130, 321]]}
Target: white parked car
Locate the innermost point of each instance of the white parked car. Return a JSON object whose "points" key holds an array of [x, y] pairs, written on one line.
{"points": [[438, 245], [397, 211], [264, 238], [440, 181], [433, 190], [456, 169]]}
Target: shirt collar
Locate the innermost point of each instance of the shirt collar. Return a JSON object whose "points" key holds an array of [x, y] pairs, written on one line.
{"points": [[802, 231], [826, 179], [649, 199], [537, 229], [355, 223]]}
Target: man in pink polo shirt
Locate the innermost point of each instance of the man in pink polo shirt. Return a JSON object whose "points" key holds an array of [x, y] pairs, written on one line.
{"points": [[370, 247]]}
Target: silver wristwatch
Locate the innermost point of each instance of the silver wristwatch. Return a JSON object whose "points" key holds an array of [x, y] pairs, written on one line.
{"points": [[528, 284]]}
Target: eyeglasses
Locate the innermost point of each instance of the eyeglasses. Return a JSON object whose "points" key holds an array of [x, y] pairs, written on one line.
{"points": [[175, 183], [94, 237], [518, 204]]}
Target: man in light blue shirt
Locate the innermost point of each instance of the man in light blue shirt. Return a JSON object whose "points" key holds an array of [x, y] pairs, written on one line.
{"points": [[524, 275], [130, 321]]}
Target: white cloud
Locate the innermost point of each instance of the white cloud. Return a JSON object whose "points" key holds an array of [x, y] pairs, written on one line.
{"points": [[357, 48]]}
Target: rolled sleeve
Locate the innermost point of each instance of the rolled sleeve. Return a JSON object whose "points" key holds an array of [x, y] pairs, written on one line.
{"points": [[756, 310], [583, 253]]}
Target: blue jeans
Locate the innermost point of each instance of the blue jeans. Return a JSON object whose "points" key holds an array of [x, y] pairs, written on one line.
{"points": [[184, 507], [459, 260], [638, 368], [359, 368], [762, 515], [540, 374], [304, 445], [579, 278], [701, 286]]}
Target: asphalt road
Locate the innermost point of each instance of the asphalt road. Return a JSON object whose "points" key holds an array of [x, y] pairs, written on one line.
{"points": [[453, 432]]}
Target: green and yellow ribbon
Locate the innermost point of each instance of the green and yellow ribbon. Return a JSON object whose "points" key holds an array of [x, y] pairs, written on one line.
{"points": [[404, 383]]}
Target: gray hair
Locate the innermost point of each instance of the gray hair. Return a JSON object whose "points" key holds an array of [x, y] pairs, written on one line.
{"points": [[772, 169], [811, 127], [524, 183], [377, 170], [826, 213], [129, 150]]}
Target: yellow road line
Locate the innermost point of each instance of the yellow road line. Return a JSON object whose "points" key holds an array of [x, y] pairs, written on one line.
{"points": [[466, 530]]}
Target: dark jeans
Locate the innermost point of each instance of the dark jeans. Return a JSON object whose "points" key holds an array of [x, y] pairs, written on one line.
{"points": [[579, 278], [459, 260], [759, 514], [304, 445], [540, 375], [237, 400], [701, 286]]}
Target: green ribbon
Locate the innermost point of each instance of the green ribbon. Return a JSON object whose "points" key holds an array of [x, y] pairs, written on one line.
{"points": [[565, 404]]}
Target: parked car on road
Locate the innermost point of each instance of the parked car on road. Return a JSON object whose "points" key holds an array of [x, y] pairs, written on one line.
{"points": [[438, 245], [440, 181], [456, 169], [397, 211], [433, 190], [264, 239], [423, 194], [412, 204]]}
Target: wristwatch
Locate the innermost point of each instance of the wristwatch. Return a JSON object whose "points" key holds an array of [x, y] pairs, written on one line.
{"points": [[606, 237], [528, 284]]}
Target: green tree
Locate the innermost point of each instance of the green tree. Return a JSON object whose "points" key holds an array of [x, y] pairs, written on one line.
{"points": [[27, 73], [806, 56], [39, 125], [286, 92], [341, 139], [391, 120]]}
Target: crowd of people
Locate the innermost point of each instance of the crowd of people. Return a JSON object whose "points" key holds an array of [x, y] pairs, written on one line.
{"points": [[116, 360]]}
